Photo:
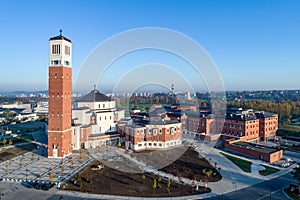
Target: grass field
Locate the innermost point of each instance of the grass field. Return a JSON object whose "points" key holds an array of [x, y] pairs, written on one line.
{"points": [[16, 140], [268, 170], [290, 130], [242, 164], [142, 107], [291, 195]]}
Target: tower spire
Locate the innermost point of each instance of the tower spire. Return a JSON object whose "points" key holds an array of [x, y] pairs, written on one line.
{"points": [[60, 32]]}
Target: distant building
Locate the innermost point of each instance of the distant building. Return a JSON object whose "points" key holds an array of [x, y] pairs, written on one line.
{"points": [[188, 95], [41, 108], [26, 108]]}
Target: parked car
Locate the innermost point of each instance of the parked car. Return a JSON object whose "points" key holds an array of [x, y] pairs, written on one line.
{"points": [[47, 186], [39, 185]]}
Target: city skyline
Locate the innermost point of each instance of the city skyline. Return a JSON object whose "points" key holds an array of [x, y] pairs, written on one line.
{"points": [[253, 44]]}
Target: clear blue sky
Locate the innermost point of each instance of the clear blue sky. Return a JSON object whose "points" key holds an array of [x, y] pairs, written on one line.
{"points": [[255, 44]]}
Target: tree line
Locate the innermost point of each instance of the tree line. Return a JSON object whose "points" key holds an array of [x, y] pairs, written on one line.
{"points": [[286, 110]]}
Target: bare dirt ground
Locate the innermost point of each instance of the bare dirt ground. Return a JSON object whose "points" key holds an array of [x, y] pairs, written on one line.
{"points": [[12, 152], [189, 165], [114, 182]]}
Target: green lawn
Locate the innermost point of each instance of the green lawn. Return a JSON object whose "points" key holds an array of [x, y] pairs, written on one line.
{"points": [[16, 140], [268, 170], [290, 130], [142, 107], [243, 164], [291, 195]]}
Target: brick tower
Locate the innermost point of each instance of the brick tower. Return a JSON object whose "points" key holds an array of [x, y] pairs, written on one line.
{"points": [[60, 94]]}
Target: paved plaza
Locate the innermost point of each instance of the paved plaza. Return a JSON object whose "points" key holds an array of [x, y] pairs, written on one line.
{"points": [[34, 167]]}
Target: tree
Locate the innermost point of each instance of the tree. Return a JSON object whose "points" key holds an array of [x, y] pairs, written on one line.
{"points": [[8, 115], [159, 180], [50, 176], [81, 157], [10, 142], [154, 185], [207, 173], [169, 185], [43, 117], [4, 142], [62, 170], [91, 183], [156, 100], [72, 164], [118, 102], [167, 100]]}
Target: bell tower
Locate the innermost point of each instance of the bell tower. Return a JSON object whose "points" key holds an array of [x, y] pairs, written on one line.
{"points": [[60, 97]]}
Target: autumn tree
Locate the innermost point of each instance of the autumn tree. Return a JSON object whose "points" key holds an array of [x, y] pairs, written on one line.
{"points": [[50, 176], [159, 180], [154, 184], [4, 142], [169, 185]]}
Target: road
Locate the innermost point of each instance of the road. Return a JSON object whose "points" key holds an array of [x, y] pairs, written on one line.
{"points": [[261, 191]]}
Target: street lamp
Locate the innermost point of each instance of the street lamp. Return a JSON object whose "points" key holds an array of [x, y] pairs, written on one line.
{"points": [[26, 174]]}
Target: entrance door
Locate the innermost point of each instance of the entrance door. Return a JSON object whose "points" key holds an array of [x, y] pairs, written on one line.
{"points": [[55, 153]]}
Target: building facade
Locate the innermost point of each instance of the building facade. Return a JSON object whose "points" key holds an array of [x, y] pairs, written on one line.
{"points": [[59, 97], [94, 121], [150, 131], [264, 153], [268, 125]]}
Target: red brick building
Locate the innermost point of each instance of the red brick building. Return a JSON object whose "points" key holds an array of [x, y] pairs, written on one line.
{"points": [[268, 125], [253, 150], [247, 125], [151, 133], [241, 125], [60, 94]]}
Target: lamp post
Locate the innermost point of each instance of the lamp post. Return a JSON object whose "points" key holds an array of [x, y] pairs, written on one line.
{"points": [[26, 174]]}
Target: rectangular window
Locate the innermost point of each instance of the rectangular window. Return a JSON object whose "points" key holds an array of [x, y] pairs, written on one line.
{"points": [[56, 49], [172, 130], [67, 63], [67, 50], [55, 62], [154, 131]]}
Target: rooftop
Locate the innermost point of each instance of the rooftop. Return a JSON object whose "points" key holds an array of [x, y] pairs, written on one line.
{"points": [[94, 96], [255, 147], [60, 37]]}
